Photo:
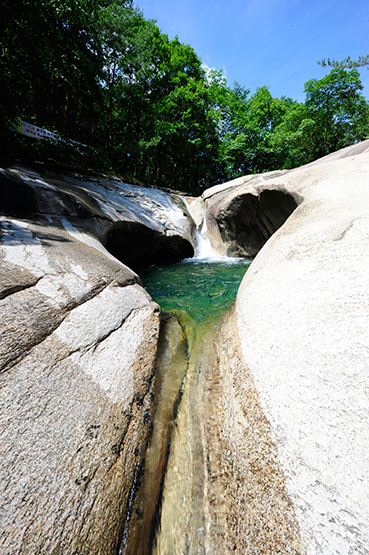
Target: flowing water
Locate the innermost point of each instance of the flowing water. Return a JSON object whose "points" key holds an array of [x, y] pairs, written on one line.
{"points": [[174, 503]]}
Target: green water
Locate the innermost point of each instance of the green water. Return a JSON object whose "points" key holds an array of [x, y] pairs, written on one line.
{"points": [[202, 290], [197, 292]]}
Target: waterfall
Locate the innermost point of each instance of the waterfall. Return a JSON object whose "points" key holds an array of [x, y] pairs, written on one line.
{"points": [[202, 246]]}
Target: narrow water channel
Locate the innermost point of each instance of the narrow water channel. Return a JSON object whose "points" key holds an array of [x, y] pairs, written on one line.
{"points": [[174, 507]]}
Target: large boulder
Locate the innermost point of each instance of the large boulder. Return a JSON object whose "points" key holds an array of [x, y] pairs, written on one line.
{"points": [[243, 214], [303, 318], [138, 225], [284, 417], [77, 355]]}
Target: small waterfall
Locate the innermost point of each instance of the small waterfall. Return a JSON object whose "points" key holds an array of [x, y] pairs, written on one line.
{"points": [[202, 245]]}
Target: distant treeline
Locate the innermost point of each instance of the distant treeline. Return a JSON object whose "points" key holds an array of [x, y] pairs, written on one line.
{"points": [[98, 72]]}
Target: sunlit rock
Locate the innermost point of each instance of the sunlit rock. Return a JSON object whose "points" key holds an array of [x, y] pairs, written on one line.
{"points": [[269, 447], [303, 318], [78, 348]]}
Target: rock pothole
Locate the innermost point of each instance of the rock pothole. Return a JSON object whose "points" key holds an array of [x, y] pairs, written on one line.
{"points": [[248, 221]]}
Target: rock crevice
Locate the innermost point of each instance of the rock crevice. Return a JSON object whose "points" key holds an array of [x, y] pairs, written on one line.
{"points": [[280, 432]]}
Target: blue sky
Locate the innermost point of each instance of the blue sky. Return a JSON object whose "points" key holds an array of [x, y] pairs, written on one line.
{"points": [[267, 42]]}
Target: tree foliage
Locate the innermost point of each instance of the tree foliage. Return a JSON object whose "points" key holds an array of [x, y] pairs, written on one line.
{"points": [[339, 110], [50, 64], [347, 63], [98, 72]]}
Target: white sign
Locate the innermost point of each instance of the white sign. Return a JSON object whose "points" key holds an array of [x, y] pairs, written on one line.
{"points": [[36, 132]]}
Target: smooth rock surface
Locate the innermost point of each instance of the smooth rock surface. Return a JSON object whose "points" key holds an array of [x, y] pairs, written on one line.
{"points": [[134, 223], [79, 339], [303, 311]]}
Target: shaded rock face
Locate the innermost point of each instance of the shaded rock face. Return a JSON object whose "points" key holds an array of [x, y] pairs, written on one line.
{"points": [[78, 351], [248, 221], [137, 245], [36, 196]]}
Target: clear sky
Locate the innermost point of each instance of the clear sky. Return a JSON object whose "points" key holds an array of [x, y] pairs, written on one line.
{"points": [[267, 42]]}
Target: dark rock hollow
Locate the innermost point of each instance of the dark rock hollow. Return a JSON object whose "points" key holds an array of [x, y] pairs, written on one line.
{"points": [[248, 221], [137, 245]]}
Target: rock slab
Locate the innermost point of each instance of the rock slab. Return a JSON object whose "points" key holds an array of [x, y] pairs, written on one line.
{"points": [[78, 349], [303, 319]]}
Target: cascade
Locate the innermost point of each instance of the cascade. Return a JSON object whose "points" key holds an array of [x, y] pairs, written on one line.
{"points": [[203, 247], [202, 244]]}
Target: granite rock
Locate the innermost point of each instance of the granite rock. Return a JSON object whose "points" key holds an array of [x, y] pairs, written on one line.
{"points": [[303, 317], [78, 349]]}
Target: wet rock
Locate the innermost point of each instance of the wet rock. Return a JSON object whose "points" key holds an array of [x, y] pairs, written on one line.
{"points": [[224, 487], [171, 371]]}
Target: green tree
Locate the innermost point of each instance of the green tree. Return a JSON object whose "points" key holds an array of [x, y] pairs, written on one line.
{"points": [[294, 137], [347, 63], [50, 64], [182, 142], [249, 127], [126, 40], [97, 71], [157, 123], [339, 110], [229, 111]]}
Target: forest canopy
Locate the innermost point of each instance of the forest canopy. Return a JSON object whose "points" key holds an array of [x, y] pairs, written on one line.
{"points": [[99, 72]]}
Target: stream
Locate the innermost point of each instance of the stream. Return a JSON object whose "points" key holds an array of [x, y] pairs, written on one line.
{"points": [[173, 505]]}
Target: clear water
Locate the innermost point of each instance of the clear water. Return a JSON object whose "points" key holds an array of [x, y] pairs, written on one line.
{"points": [[200, 289], [197, 292]]}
